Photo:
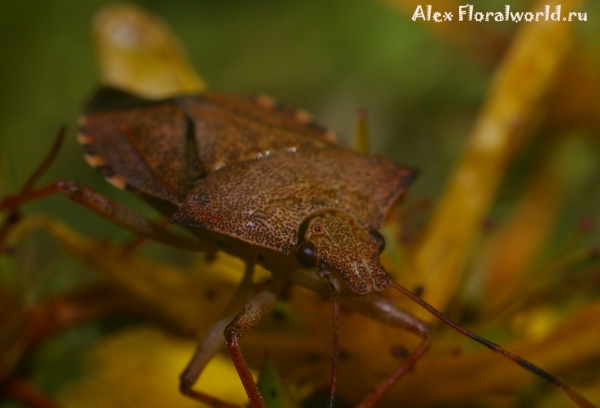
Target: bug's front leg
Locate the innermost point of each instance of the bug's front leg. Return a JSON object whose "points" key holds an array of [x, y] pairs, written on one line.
{"points": [[238, 319], [384, 311], [247, 318], [212, 343]]}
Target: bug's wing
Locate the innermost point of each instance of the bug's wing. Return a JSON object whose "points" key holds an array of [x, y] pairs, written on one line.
{"points": [[162, 147], [140, 144], [233, 128], [265, 201], [266, 110]]}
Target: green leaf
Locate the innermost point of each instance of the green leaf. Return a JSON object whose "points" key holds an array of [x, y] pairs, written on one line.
{"points": [[273, 390]]}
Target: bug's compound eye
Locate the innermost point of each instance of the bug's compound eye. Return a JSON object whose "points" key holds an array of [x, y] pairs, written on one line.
{"points": [[378, 240], [307, 254]]}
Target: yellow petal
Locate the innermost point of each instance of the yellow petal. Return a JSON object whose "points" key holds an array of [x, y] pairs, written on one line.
{"points": [[137, 52], [502, 128], [140, 368]]}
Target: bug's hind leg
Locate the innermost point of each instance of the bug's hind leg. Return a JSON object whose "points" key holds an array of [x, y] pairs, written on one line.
{"points": [[14, 213], [103, 206], [386, 312], [108, 209]]}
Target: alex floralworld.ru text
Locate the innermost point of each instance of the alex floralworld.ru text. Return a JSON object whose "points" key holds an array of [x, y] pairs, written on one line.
{"points": [[467, 12]]}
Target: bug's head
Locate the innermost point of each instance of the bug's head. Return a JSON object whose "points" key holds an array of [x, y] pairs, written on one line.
{"points": [[334, 241]]}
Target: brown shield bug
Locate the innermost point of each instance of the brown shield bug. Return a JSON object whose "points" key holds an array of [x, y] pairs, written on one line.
{"points": [[266, 184]]}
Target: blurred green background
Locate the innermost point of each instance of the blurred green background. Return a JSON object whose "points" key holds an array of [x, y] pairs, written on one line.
{"points": [[328, 57]]}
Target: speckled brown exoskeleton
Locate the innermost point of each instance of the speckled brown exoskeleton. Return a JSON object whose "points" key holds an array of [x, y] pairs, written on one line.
{"points": [[266, 184]]}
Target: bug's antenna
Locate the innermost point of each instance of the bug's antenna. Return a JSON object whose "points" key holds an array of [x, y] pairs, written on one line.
{"points": [[335, 349], [573, 395], [336, 289]]}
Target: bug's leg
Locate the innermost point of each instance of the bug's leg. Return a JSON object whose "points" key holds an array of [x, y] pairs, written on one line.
{"points": [[361, 135], [136, 242], [247, 318], [386, 312], [14, 215], [212, 342], [108, 209]]}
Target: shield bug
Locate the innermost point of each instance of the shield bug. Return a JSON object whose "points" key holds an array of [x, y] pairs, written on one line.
{"points": [[266, 184]]}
